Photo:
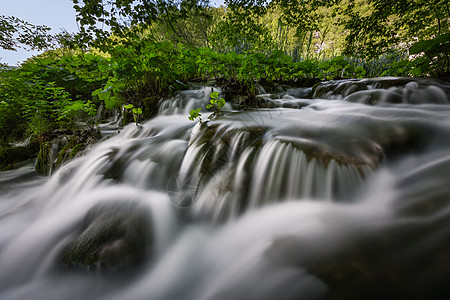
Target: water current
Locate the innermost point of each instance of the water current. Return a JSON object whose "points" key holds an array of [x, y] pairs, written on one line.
{"points": [[338, 193]]}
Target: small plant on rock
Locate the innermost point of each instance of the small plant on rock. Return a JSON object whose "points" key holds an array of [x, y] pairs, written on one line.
{"points": [[215, 103], [137, 111], [195, 114]]}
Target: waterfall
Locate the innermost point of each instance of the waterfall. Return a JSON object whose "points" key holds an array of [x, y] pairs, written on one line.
{"points": [[338, 194], [386, 90]]}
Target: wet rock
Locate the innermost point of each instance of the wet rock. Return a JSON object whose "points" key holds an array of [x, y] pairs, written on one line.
{"points": [[385, 90], [401, 260], [373, 97], [251, 95], [273, 101], [426, 194], [404, 261], [237, 101], [76, 145], [10, 157], [112, 236], [221, 145], [430, 94], [408, 258], [43, 161], [56, 148]]}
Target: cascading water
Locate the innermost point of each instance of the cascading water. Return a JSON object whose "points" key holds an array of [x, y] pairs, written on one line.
{"points": [[313, 198]]}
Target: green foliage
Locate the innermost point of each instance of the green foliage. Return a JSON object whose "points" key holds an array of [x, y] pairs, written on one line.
{"points": [[195, 114], [216, 103], [12, 125], [48, 92], [326, 28], [16, 33], [248, 68], [242, 29], [163, 44], [139, 14], [436, 59], [137, 111], [434, 46], [76, 111], [387, 24], [431, 58], [110, 93], [34, 101]]}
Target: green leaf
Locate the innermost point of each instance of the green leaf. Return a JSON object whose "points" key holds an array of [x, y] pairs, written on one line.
{"points": [[112, 102], [195, 114], [420, 46], [137, 111], [75, 106], [416, 71], [360, 70], [439, 44], [214, 95], [97, 92]]}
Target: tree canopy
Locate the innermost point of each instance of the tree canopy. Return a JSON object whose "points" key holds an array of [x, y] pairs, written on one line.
{"points": [[99, 19], [392, 23], [16, 33]]}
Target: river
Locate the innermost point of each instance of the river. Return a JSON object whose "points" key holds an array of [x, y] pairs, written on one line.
{"points": [[340, 193]]}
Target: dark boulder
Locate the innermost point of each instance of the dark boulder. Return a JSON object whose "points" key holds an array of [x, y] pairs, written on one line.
{"points": [[58, 147], [11, 157], [112, 236]]}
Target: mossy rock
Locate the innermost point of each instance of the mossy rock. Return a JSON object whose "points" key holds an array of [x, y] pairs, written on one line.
{"points": [[43, 164], [76, 149], [75, 145], [10, 157], [112, 236], [215, 137]]}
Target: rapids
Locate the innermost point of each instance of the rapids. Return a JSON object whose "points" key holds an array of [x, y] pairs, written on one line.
{"points": [[340, 193]]}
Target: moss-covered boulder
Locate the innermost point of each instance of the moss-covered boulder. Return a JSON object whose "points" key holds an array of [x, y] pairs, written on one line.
{"points": [[57, 148], [111, 236], [76, 145], [12, 156], [43, 163]]}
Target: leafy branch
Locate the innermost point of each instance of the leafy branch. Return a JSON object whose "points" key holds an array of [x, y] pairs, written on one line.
{"points": [[215, 103], [137, 111], [15, 32]]}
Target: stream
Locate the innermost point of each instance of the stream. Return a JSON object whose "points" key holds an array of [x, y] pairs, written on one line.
{"points": [[336, 193]]}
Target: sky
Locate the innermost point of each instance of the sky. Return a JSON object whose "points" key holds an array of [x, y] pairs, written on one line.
{"points": [[56, 14]]}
